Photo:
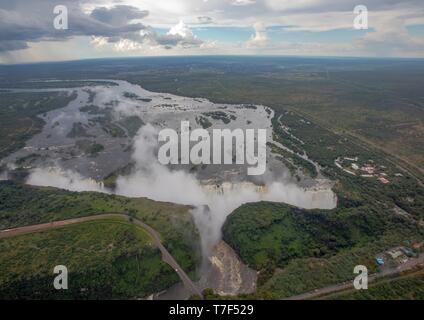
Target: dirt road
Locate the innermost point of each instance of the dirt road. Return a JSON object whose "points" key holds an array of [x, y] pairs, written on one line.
{"points": [[166, 256], [410, 264]]}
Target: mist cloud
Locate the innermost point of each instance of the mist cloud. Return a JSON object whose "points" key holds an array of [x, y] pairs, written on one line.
{"points": [[213, 202], [63, 179], [152, 180]]}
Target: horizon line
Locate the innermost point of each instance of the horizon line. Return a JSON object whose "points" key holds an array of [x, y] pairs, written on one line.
{"points": [[213, 55]]}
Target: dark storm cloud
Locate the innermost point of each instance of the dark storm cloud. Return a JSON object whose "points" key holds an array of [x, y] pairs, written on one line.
{"points": [[12, 45], [32, 21], [205, 19], [118, 15]]}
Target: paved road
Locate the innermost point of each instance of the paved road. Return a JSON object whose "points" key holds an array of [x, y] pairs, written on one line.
{"points": [[169, 259], [166, 256], [410, 264]]}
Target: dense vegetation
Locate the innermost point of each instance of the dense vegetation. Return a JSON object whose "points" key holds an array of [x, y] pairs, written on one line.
{"points": [[409, 287], [370, 109], [270, 234], [22, 205], [106, 259], [300, 250]]}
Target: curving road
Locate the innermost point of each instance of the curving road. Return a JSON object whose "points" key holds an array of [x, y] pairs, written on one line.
{"points": [[166, 256], [407, 266]]}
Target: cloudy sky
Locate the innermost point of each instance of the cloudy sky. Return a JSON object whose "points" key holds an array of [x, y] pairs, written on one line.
{"points": [[114, 28]]}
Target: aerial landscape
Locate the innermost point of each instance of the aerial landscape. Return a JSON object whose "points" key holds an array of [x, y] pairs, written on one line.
{"points": [[116, 170]]}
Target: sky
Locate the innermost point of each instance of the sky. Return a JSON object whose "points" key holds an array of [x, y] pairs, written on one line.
{"points": [[128, 28]]}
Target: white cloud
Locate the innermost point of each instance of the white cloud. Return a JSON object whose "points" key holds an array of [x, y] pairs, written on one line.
{"points": [[132, 27], [260, 38], [391, 38], [181, 30], [124, 45], [98, 42]]}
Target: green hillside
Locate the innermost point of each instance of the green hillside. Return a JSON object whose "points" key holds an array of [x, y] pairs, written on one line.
{"points": [[106, 259], [22, 205], [410, 287], [298, 250]]}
